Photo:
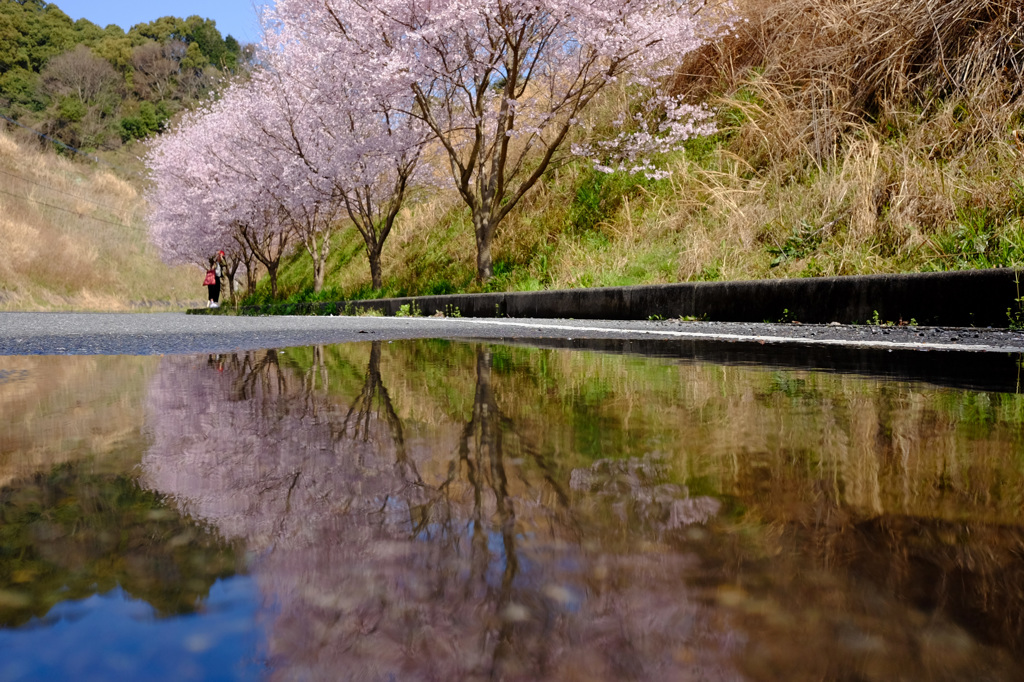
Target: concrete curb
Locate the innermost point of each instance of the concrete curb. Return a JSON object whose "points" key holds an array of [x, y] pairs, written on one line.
{"points": [[979, 298]]}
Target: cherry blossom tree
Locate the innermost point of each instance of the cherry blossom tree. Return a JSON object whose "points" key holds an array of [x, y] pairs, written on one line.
{"points": [[275, 120], [308, 140], [384, 159], [215, 181], [503, 85], [184, 192], [347, 127], [270, 194]]}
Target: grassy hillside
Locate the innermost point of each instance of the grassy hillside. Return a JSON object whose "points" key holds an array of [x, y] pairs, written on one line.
{"points": [[74, 238], [855, 136]]}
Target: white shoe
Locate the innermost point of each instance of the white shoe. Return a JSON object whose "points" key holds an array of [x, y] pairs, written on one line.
{"points": [[215, 305], [209, 304]]}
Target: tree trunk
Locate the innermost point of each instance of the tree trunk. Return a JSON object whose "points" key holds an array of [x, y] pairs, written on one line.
{"points": [[318, 272], [375, 395], [481, 451], [318, 279], [231, 280], [484, 229], [272, 273], [250, 278], [374, 247], [376, 274], [318, 251]]}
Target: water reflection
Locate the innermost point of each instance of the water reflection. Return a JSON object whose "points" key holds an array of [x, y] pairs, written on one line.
{"points": [[65, 409], [434, 510], [472, 569], [73, 520], [112, 636], [72, 533]]}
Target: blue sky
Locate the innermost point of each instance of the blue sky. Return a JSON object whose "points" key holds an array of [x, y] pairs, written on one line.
{"points": [[235, 17]]}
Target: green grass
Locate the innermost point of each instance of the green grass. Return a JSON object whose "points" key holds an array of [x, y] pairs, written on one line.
{"points": [[902, 187]]}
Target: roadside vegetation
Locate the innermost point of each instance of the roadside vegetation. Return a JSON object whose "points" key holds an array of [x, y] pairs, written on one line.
{"points": [[75, 102], [854, 137]]}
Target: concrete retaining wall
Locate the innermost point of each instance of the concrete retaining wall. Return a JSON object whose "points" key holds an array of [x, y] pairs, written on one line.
{"points": [[966, 298], [977, 298]]}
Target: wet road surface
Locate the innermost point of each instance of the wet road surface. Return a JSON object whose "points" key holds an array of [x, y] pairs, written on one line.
{"points": [[177, 333]]}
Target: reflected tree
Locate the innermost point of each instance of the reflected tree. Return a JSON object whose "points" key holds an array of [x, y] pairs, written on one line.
{"points": [[482, 463], [371, 412], [388, 554], [373, 405]]}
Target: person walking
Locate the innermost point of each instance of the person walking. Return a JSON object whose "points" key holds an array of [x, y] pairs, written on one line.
{"points": [[212, 281]]}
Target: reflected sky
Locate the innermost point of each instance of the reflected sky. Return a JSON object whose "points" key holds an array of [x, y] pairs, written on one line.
{"points": [[112, 636], [436, 510]]}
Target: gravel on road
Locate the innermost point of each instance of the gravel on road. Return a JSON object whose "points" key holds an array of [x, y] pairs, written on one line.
{"points": [[177, 333]]}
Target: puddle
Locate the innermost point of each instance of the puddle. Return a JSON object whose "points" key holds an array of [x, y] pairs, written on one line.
{"points": [[437, 510]]}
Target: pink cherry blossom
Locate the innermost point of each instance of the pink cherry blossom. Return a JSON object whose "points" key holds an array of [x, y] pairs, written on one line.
{"points": [[503, 84], [334, 123]]}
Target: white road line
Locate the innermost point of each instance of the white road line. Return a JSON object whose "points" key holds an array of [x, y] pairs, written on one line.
{"points": [[757, 338]]}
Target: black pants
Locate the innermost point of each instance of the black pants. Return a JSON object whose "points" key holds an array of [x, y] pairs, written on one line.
{"points": [[214, 292]]}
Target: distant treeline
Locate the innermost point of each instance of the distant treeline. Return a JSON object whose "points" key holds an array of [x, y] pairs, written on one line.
{"points": [[98, 88]]}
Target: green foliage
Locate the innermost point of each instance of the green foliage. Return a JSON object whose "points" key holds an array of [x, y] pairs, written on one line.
{"points": [[600, 195], [72, 109], [194, 59], [303, 302], [1015, 314], [150, 119], [22, 88], [876, 320], [801, 242], [970, 243], [712, 272], [116, 48], [981, 238], [34, 36], [409, 310], [702, 148], [33, 32], [440, 287], [784, 317], [364, 312], [88, 32]]}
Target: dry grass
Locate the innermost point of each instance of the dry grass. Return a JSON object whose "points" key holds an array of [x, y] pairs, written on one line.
{"points": [[856, 136], [74, 239], [854, 56], [860, 135]]}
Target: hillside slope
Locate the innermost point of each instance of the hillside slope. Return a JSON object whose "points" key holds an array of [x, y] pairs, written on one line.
{"points": [[74, 238], [855, 137]]}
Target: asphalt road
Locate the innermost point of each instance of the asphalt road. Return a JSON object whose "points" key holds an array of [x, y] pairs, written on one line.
{"points": [[177, 333]]}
